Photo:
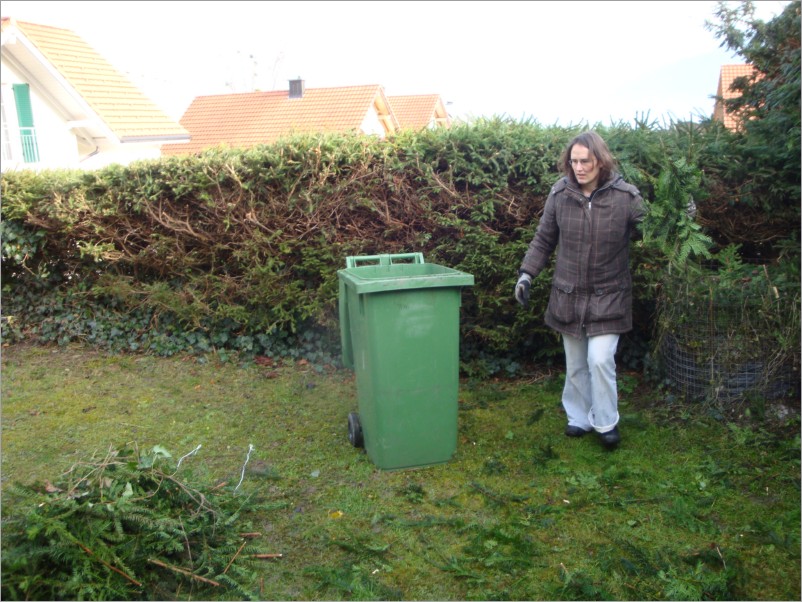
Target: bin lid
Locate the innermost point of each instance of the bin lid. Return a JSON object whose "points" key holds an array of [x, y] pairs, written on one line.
{"points": [[402, 276]]}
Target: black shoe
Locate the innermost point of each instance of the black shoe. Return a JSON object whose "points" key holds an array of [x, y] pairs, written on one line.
{"points": [[575, 431], [610, 439]]}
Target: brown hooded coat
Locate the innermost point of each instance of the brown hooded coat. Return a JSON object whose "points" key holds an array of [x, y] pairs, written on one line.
{"points": [[592, 284]]}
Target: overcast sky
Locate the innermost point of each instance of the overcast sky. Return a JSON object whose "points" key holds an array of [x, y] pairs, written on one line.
{"points": [[561, 63]]}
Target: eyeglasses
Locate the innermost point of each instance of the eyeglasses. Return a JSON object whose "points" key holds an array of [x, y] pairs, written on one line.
{"points": [[582, 162]]}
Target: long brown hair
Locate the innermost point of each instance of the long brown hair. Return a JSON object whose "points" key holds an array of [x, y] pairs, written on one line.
{"points": [[598, 149]]}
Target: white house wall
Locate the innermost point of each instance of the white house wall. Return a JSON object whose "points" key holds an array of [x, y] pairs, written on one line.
{"points": [[124, 155], [372, 124]]}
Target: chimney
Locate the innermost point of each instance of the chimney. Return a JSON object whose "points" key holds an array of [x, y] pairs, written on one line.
{"points": [[297, 88]]}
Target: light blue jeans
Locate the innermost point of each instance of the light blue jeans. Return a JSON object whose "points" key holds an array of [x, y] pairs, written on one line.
{"points": [[590, 395]]}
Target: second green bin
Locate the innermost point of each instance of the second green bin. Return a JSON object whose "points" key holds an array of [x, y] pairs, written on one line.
{"points": [[399, 325]]}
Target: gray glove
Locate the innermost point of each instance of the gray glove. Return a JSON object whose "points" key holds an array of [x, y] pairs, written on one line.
{"points": [[522, 289]]}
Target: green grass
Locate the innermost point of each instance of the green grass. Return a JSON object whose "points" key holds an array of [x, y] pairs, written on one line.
{"points": [[686, 508]]}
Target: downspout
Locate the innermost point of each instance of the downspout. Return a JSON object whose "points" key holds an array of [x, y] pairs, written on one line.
{"points": [[89, 142], [90, 155], [75, 126]]}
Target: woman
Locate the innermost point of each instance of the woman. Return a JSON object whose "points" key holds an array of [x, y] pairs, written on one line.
{"points": [[590, 217]]}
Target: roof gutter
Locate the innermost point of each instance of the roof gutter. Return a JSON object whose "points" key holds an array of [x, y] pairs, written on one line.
{"points": [[167, 138]]}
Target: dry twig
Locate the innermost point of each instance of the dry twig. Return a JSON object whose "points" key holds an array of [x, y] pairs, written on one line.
{"points": [[183, 572]]}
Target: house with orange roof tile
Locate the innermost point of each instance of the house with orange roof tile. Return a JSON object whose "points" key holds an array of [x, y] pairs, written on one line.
{"points": [[248, 119], [65, 106], [420, 111], [727, 76]]}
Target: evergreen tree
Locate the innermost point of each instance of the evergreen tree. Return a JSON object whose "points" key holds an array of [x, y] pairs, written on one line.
{"points": [[769, 103]]}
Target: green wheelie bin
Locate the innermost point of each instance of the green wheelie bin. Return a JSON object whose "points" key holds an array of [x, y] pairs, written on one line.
{"points": [[399, 327]]}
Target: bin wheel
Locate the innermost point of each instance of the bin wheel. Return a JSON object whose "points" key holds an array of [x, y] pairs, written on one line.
{"points": [[355, 430]]}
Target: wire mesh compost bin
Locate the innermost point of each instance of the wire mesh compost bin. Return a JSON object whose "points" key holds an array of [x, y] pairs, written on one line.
{"points": [[722, 342], [399, 327]]}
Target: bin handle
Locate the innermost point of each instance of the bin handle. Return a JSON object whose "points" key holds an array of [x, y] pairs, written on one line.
{"points": [[384, 259]]}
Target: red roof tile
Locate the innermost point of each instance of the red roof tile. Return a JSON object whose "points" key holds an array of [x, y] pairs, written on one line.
{"points": [[419, 111], [728, 75], [251, 118]]}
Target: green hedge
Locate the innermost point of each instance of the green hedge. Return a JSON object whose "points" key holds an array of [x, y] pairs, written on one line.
{"points": [[237, 250]]}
